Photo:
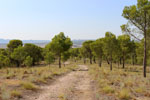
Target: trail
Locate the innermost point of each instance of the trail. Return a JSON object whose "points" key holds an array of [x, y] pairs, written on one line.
{"points": [[73, 86]]}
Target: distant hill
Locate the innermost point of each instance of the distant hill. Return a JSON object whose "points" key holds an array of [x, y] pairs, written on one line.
{"points": [[41, 43], [5, 41], [78, 42]]}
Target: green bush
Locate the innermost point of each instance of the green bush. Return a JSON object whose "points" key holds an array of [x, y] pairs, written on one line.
{"points": [[28, 61]]}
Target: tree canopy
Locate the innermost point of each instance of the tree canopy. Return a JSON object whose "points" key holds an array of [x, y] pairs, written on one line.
{"points": [[59, 44]]}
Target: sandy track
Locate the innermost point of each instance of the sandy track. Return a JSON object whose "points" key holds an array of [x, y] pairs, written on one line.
{"points": [[73, 86], [83, 89]]}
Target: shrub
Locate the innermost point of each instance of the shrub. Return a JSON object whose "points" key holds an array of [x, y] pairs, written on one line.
{"points": [[16, 93], [139, 90], [108, 89], [28, 61], [49, 58], [29, 86], [41, 80], [124, 94], [62, 97]]}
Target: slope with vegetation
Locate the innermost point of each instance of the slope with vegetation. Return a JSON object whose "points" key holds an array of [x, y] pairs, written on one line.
{"points": [[120, 84], [17, 82]]}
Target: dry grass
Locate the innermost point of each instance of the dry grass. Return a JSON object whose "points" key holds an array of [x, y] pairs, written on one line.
{"points": [[16, 94], [123, 84], [62, 97], [29, 86], [18, 80], [5, 92], [107, 89], [124, 94]]}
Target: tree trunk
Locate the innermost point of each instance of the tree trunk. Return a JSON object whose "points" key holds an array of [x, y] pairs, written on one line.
{"points": [[145, 58], [90, 59], [120, 61], [84, 60], [18, 64], [145, 46], [107, 60], [33, 63], [111, 63], [133, 59], [123, 65], [100, 63], [123, 61], [60, 62]]}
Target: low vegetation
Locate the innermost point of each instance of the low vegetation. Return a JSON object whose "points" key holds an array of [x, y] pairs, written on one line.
{"points": [[16, 94], [122, 84], [29, 86], [15, 81]]}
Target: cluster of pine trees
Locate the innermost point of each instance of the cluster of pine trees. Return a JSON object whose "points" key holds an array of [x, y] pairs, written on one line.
{"points": [[121, 50], [18, 54], [124, 48]]}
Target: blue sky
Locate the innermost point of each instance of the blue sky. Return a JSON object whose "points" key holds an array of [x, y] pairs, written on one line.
{"points": [[78, 19]]}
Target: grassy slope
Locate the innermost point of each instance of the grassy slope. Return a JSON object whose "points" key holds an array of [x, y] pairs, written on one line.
{"points": [[122, 84], [15, 81]]}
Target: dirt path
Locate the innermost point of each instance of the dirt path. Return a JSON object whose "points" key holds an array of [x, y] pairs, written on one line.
{"points": [[83, 88], [73, 86]]}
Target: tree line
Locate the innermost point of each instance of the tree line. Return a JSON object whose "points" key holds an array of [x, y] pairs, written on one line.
{"points": [[124, 48], [120, 50], [112, 49], [18, 54]]}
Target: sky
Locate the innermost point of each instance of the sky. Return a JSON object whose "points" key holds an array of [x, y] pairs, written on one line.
{"points": [[43, 19]]}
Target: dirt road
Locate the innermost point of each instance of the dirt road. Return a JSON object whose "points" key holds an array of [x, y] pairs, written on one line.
{"points": [[73, 86]]}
